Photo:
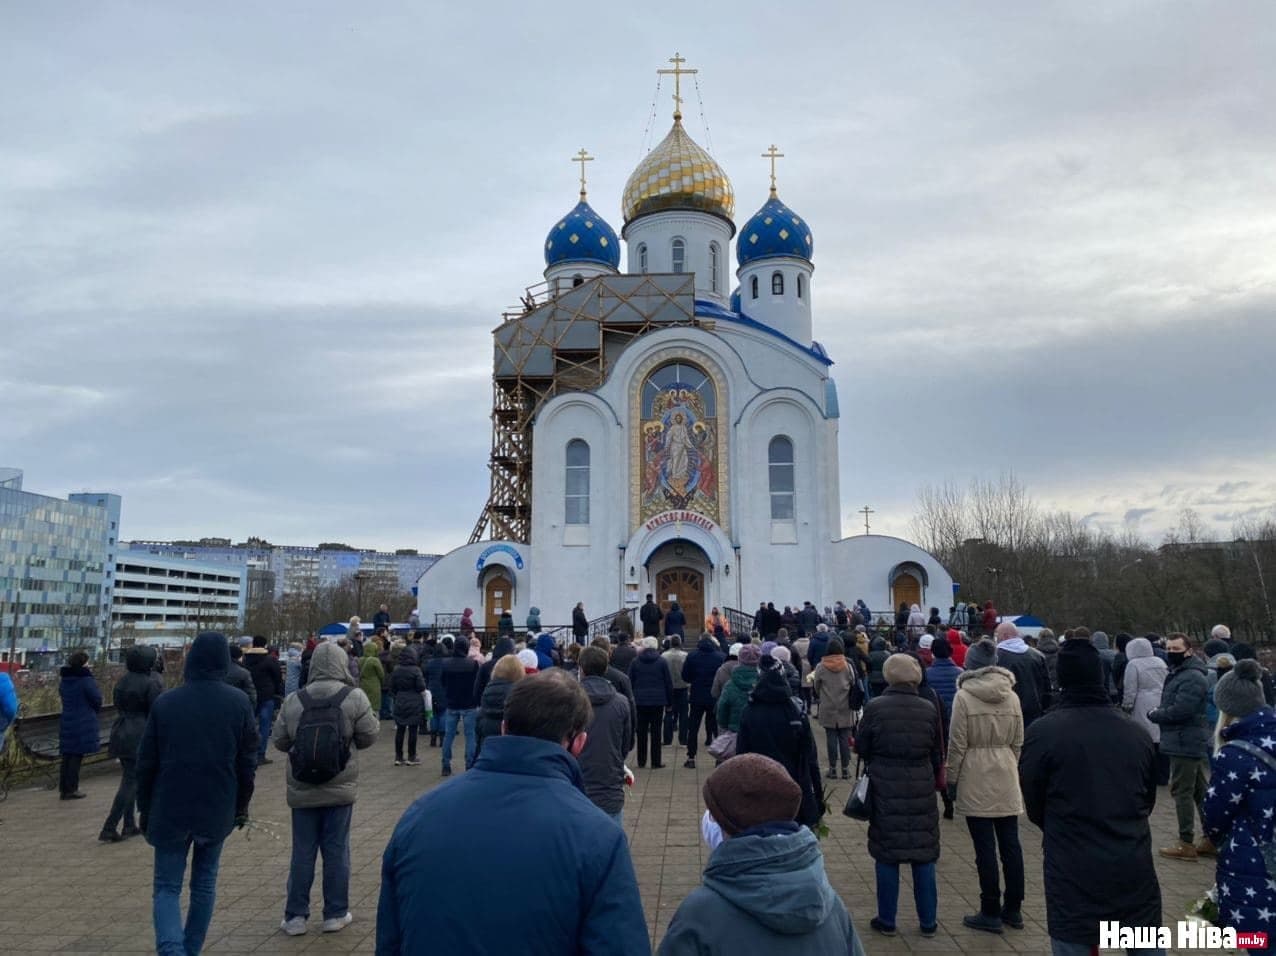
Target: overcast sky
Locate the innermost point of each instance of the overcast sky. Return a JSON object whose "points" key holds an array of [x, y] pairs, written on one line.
{"points": [[251, 254]]}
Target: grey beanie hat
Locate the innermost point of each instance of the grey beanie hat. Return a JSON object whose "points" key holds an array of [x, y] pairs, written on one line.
{"points": [[983, 653], [1239, 692]]}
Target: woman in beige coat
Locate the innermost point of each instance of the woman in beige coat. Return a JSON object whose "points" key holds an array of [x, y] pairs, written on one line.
{"points": [[985, 737]]}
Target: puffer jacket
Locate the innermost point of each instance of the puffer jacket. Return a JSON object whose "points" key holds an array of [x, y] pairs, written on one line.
{"points": [[1181, 716], [133, 697], [406, 684], [1107, 658], [942, 675], [359, 724], [831, 686], [1239, 813], [650, 678], [899, 739], [765, 891], [984, 741], [1143, 683], [735, 695]]}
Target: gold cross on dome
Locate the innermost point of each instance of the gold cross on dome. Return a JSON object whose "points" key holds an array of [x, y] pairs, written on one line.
{"points": [[678, 72], [582, 157], [773, 154]]}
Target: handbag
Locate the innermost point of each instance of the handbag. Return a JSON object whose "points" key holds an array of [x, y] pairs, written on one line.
{"points": [[723, 746], [857, 807]]}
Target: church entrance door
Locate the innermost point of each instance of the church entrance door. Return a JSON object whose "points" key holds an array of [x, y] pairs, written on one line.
{"points": [[907, 590], [497, 596], [686, 586]]}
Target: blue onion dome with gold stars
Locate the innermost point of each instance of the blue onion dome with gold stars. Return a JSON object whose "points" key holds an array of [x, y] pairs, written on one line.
{"points": [[774, 230], [582, 236], [678, 174]]}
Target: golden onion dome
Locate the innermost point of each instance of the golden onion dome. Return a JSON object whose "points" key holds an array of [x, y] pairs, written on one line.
{"points": [[678, 174]]}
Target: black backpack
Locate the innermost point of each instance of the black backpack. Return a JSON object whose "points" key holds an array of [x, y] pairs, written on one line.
{"points": [[319, 749]]}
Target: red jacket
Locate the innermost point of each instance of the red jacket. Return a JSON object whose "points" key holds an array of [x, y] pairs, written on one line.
{"points": [[959, 649]]}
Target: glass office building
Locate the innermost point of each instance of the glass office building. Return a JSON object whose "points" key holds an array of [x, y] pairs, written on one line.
{"points": [[52, 568]]}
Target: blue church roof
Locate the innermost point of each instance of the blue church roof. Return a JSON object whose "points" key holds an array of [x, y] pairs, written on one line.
{"points": [[774, 230], [582, 236], [711, 310]]}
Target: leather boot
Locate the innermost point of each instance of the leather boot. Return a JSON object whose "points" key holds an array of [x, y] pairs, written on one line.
{"points": [[1180, 851], [1205, 848]]}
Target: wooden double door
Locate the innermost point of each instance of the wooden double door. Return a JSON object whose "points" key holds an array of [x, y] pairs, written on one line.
{"points": [[498, 595], [686, 586]]}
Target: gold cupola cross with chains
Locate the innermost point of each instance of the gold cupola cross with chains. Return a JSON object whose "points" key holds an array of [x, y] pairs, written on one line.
{"points": [[678, 73]]}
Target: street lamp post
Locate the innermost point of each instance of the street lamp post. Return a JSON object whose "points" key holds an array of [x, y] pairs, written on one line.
{"points": [[359, 578]]}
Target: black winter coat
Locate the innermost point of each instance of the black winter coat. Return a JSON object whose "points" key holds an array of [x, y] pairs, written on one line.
{"points": [[1032, 681], [817, 648], [459, 677], [267, 675], [650, 616], [133, 697], [503, 646], [406, 684], [899, 739], [772, 725], [699, 669], [622, 656], [432, 668], [1088, 775], [492, 708], [675, 623], [808, 619], [198, 757], [650, 678]]}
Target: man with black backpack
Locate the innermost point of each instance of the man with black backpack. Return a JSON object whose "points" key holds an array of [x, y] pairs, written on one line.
{"points": [[319, 728]]}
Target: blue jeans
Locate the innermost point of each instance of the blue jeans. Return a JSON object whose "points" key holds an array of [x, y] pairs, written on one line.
{"points": [[1059, 948], [265, 717], [387, 706], [925, 893], [171, 939], [450, 720], [326, 830]]}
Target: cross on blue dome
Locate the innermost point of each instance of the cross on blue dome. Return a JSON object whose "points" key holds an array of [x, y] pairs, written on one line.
{"points": [[582, 236], [774, 230]]}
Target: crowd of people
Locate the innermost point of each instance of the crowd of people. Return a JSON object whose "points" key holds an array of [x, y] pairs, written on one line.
{"points": [[977, 721]]}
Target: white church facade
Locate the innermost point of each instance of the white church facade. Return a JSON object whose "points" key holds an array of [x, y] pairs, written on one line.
{"points": [[654, 432]]}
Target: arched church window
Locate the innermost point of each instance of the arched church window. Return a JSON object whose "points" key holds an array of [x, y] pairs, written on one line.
{"points": [[577, 279], [780, 473], [777, 283], [713, 266], [679, 255], [753, 287], [799, 286], [577, 482], [642, 258]]}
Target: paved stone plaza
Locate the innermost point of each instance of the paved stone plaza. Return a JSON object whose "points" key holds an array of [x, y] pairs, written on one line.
{"points": [[63, 891]]}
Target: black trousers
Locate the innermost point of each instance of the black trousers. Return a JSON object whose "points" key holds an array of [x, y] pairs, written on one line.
{"points": [[709, 714], [991, 835], [676, 717], [650, 719], [399, 731], [125, 796], [69, 776]]}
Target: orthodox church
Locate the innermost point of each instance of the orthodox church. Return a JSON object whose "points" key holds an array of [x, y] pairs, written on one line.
{"points": [[660, 431]]}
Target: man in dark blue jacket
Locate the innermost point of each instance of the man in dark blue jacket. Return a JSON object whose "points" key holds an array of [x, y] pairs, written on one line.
{"points": [[576, 888], [195, 774], [698, 670], [460, 677]]}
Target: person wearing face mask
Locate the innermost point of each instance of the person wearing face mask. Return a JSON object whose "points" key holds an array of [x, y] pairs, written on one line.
{"points": [[1185, 739]]}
